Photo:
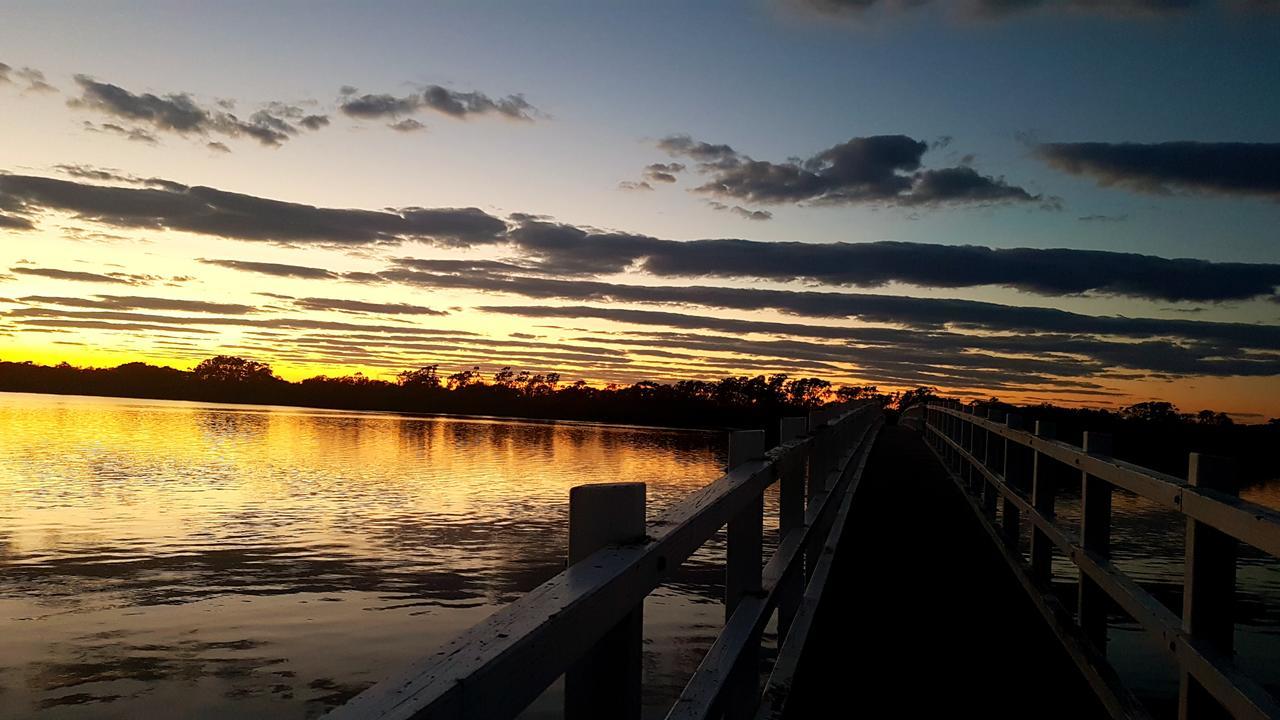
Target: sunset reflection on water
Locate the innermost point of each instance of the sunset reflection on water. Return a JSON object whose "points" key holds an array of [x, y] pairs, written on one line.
{"points": [[230, 560]]}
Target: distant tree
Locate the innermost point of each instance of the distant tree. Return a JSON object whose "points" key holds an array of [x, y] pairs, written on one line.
{"points": [[1209, 417], [808, 392], [917, 396], [505, 378], [465, 378], [1152, 411], [849, 393], [424, 378], [232, 369]]}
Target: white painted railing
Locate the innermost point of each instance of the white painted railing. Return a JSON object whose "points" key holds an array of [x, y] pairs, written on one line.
{"points": [[586, 622], [998, 462]]}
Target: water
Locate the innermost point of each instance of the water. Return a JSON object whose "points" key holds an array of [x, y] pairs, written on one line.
{"points": [[166, 559]]}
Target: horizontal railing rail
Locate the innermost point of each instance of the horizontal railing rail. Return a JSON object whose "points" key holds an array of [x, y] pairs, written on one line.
{"points": [[585, 622], [1000, 464]]}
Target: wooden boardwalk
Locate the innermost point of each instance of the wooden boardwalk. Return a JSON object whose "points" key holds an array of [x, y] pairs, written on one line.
{"points": [[898, 583], [922, 616]]}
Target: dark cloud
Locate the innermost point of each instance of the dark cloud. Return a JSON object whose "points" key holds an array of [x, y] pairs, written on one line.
{"points": [[379, 106], [883, 350], [882, 169], [1222, 168], [1003, 8], [211, 211], [360, 306], [33, 79], [127, 302], [433, 98], [134, 134], [407, 125], [180, 113], [712, 156], [462, 104], [633, 185], [89, 172], [567, 249], [912, 312], [314, 122], [740, 211], [15, 223], [663, 172], [276, 269], [74, 275]]}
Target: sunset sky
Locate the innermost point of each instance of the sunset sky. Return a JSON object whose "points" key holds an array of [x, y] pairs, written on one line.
{"points": [[1066, 200]]}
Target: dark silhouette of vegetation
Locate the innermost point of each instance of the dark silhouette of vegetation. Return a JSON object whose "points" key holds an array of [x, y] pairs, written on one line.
{"points": [[1154, 434], [729, 402]]}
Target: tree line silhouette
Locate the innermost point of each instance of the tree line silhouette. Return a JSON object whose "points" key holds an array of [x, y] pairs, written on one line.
{"points": [[1155, 434], [738, 401]]}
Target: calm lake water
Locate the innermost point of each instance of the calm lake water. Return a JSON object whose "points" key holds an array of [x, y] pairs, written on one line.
{"points": [[168, 559]]}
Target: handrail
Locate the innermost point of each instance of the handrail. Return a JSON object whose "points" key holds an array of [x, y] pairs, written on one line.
{"points": [[1200, 640], [497, 667]]}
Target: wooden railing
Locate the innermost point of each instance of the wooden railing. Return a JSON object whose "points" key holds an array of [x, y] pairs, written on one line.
{"points": [[586, 622], [997, 462]]}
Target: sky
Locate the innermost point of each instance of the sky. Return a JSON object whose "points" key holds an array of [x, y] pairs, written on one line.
{"points": [[1042, 200]]}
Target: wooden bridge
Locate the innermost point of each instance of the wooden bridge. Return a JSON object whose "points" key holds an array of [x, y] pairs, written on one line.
{"points": [[899, 586]]}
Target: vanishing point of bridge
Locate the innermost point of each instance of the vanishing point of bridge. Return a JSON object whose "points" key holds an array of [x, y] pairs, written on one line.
{"points": [[901, 586]]}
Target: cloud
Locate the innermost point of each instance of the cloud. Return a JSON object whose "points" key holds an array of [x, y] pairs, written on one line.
{"points": [[995, 9], [912, 312], [276, 269], [379, 106], [359, 306], [566, 249], [631, 185], [181, 114], [34, 79], [663, 172], [16, 223], [883, 350], [740, 211], [462, 104], [74, 275], [561, 249], [432, 98], [884, 169], [133, 302], [211, 211], [1217, 168], [407, 125], [134, 134]]}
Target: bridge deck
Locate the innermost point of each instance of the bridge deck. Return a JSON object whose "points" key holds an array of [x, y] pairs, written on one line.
{"points": [[922, 617]]}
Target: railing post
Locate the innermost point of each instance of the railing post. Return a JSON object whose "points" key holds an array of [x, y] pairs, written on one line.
{"points": [[1095, 537], [1208, 587], [1011, 516], [989, 493], [742, 578], [790, 517], [606, 681], [1043, 491], [971, 473], [817, 481]]}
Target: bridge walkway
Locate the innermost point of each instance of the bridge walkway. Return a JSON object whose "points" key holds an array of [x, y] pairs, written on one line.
{"points": [[922, 617]]}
